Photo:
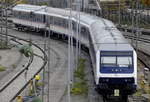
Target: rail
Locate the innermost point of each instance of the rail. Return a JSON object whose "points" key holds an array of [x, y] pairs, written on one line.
{"points": [[139, 38], [129, 29], [142, 55], [23, 70]]}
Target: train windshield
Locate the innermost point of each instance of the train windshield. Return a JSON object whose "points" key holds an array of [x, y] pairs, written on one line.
{"points": [[116, 59], [124, 61]]}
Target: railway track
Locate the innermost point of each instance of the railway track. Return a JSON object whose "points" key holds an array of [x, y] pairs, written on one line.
{"points": [[144, 40], [142, 56], [58, 62], [19, 74], [100, 100]]}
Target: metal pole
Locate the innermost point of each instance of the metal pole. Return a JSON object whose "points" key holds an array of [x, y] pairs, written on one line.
{"points": [[119, 12], [44, 68], [69, 39], [48, 99], [68, 69], [6, 24], [43, 81], [79, 29], [1, 11], [31, 16], [78, 32], [137, 22], [69, 49], [72, 56], [133, 15], [79, 35], [77, 26]]}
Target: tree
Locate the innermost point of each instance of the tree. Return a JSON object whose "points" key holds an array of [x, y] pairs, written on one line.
{"points": [[10, 2], [43, 3], [22, 2], [6, 3], [145, 2]]}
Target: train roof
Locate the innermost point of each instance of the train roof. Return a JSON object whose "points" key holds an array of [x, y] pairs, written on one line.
{"points": [[105, 33], [30, 8], [116, 47], [102, 31]]}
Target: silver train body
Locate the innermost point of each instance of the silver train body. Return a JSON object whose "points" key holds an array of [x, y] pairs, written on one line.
{"points": [[113, 59]]}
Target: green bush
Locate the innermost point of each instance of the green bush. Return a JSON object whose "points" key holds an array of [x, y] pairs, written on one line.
{"points": [[4, 45], [79, 73], [43, 3], [80, 87], [2, 68], [37, 99], [138, 93], [14, 66], [26, 50], [39, 84], [76, 91]]}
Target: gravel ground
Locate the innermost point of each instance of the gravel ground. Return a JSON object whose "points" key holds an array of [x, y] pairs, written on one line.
{"points": [[92, 96], [59, 55], [62, 47], [134, 98], [13, 61], [12, 56], [58, 64]]}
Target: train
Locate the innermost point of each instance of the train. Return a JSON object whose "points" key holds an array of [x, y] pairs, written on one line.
{"points": [[114, 60]]}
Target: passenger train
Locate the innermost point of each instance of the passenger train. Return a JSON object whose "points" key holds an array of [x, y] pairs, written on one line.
{"points": [[114, 60]]}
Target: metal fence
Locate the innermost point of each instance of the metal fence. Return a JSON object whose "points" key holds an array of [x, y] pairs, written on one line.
{"points": [[127, 13]]}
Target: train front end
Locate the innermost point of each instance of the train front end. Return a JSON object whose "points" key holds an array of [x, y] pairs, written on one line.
{"points": [[117, 72]]}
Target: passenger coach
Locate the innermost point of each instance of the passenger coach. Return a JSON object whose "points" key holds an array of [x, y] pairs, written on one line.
{"points": [[113, 59]]}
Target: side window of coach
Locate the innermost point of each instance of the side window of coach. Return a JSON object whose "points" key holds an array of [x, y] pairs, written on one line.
{"points": [[44, 18]]}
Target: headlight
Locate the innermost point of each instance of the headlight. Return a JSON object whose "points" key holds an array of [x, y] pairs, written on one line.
{"points": [[105, 80], [129, 80]]}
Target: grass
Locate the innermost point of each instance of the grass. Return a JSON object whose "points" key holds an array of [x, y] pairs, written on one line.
{"points": [[147, 89], [79, 73], [80, 86], [39, 84], [37, 99], [14, 66], [2, 68], [26, 50], [138, 93], [4, 45]]}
